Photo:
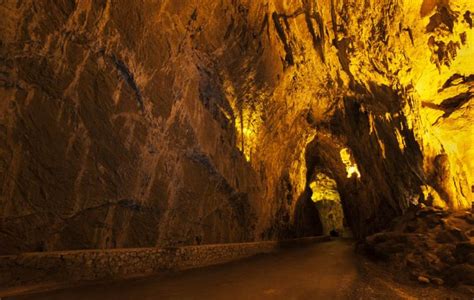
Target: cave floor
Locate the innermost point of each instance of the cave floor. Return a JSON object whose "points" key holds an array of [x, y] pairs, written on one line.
{"points": [[328, 270]]}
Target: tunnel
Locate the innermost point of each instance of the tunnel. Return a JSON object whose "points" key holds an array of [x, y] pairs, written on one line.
{"points": [[270, 149]]}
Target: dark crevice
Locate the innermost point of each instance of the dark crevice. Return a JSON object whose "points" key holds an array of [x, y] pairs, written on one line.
{"points": [[457, 79], [129, 78], [281, 34], [318, 39], [264, 24], [449, 105], [410, 34], [452, 104], [194, 16], [317, 35], [468, 18], [445, 16]]}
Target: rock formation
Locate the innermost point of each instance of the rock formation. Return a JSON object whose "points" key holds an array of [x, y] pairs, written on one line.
{"points": [[430, 245], [163, 123]]}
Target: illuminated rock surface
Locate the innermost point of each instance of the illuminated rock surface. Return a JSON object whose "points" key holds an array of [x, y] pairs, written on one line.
{"points": [[143, 123]]}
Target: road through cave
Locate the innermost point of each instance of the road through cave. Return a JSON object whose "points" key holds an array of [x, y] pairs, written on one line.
{"points": [[328, 270]]}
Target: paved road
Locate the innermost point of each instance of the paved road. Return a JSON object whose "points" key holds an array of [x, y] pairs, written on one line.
{"points": [[321, 271]]}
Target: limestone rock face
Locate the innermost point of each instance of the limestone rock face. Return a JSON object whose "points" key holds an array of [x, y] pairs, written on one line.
{"points": [[429, 245], [142, 123]]}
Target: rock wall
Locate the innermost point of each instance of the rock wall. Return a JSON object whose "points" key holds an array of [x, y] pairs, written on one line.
{"points": [[429, 245], [164, 123], [115, 129]]}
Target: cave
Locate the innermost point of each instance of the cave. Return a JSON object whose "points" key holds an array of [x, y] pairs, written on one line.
{"points": [[215, 148]]}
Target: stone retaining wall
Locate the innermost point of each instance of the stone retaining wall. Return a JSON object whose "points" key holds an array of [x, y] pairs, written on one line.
{"points": [[33, 271]]}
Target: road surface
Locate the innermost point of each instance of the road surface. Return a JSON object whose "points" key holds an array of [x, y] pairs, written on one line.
{"points": [[328, 270]]}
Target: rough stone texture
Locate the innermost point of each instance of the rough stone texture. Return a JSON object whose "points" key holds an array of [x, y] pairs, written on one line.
{"points": [[429, 245], [114, 129], [164, 123], [37, 270], [331, 215]]}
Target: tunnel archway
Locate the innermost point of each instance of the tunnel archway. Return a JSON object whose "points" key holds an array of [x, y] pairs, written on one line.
{"points": [[333, 179], [328, 203]]}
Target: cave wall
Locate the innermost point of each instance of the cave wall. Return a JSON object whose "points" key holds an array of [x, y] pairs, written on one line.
{"points": [[164, 123], [115, 129]]}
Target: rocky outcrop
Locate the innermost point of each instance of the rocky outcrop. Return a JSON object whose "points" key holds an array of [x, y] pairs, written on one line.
{"points": [[431, 245], [164, 123]]}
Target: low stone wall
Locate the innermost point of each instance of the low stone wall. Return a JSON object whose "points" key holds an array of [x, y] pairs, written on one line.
{"points": [[32, 271]]}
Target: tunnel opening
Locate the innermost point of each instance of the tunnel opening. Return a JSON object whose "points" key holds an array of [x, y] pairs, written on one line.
{"points": [[328, 204], [333, 179]]}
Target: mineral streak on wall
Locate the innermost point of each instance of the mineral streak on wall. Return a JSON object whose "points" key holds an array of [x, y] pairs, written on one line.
{"points": [[142, 123]]}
